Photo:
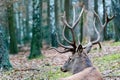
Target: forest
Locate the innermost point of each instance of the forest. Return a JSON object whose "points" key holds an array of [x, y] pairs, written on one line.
{"points": [[59, 39]]}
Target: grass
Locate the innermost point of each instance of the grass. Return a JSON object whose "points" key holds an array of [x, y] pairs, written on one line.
{"points": [[45, 73], [106, 63], [38, 57], [110, 57], [109, 62], [115, 44], [54, 73]]}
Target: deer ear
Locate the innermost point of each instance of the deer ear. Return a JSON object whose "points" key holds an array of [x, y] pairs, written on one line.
{"points": [[80, 48]]}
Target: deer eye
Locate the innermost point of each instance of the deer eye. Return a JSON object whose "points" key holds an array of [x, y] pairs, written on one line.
{"points": [[70, 59]]}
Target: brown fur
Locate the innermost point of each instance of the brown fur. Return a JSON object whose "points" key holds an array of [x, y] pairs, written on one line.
{"points": [[90, 73]]}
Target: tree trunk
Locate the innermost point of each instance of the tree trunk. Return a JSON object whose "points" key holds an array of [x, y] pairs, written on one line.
{"points": [[88, 30], [27, 27], [46, 22], [67, 11], [36, 31], [96, 6], [11, 24], [116, 11], [57, 24], [105, 29], [81, 29], [4, 57]]}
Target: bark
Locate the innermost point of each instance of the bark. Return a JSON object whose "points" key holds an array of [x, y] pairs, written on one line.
{"points": [[36, 31], [57, 24], [105, 29], [27, 27], [4, 57], [67, 11], [116, 11], [11, 25], [46, 22]]}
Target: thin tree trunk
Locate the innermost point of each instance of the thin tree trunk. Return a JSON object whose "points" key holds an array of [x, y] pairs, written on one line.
{"points": [[4, 56], [54, 41], [27, 36], [36, 31], [116, 11], [105, 29], [46, 23], [67, 11], [13, 41], [81, 30]]}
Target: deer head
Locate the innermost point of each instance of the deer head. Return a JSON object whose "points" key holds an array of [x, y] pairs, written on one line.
{"points": [[79, 59]]}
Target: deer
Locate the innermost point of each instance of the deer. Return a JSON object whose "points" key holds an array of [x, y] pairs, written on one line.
{"points": [[79, 64]]}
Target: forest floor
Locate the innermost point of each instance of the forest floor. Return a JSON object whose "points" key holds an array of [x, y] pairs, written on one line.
{"points": [[47, 67]]}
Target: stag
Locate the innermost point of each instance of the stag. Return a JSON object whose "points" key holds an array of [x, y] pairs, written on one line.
{"points": [[79, 63]]}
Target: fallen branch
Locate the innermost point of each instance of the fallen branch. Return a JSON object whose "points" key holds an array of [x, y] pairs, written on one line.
{"points": [[26, 70]]}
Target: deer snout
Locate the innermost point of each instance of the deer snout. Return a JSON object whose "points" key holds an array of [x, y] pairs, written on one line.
{"points": [[63, 70]]}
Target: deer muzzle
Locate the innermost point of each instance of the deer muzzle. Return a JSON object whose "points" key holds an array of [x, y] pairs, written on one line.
{"points": [[63, 70]]}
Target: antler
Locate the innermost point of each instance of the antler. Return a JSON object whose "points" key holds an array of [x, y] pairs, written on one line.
{"points": [[107, 20], [91, 43], [72, 43]]}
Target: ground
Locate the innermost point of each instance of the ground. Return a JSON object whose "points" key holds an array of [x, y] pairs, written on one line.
{"points": [[47, 67]]}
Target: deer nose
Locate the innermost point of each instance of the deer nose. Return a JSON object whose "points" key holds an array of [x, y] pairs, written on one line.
{"points": [[63, 70]]}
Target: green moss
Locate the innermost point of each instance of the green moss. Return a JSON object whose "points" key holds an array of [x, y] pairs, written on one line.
{"points": [[109, 58], [37, 57], [55, 73], [115, 44]]}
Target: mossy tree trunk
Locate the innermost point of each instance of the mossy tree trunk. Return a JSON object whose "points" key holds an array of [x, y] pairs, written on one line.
{"points": [[116, 11], [11, 25], [27, 26], [4, 57], [36, 31], [46, 28], [53, 36], [48, 22]]}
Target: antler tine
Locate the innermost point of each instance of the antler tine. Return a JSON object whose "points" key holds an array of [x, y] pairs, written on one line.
{"points": [[67, 25], [65, 21], [66, 47], [89, 45], [67, 50], [98, 38], [69, 42], [76, 22], [73, 14], [98, 17], [79, 39], [107, 19], [74, 25], [73, 43]]}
